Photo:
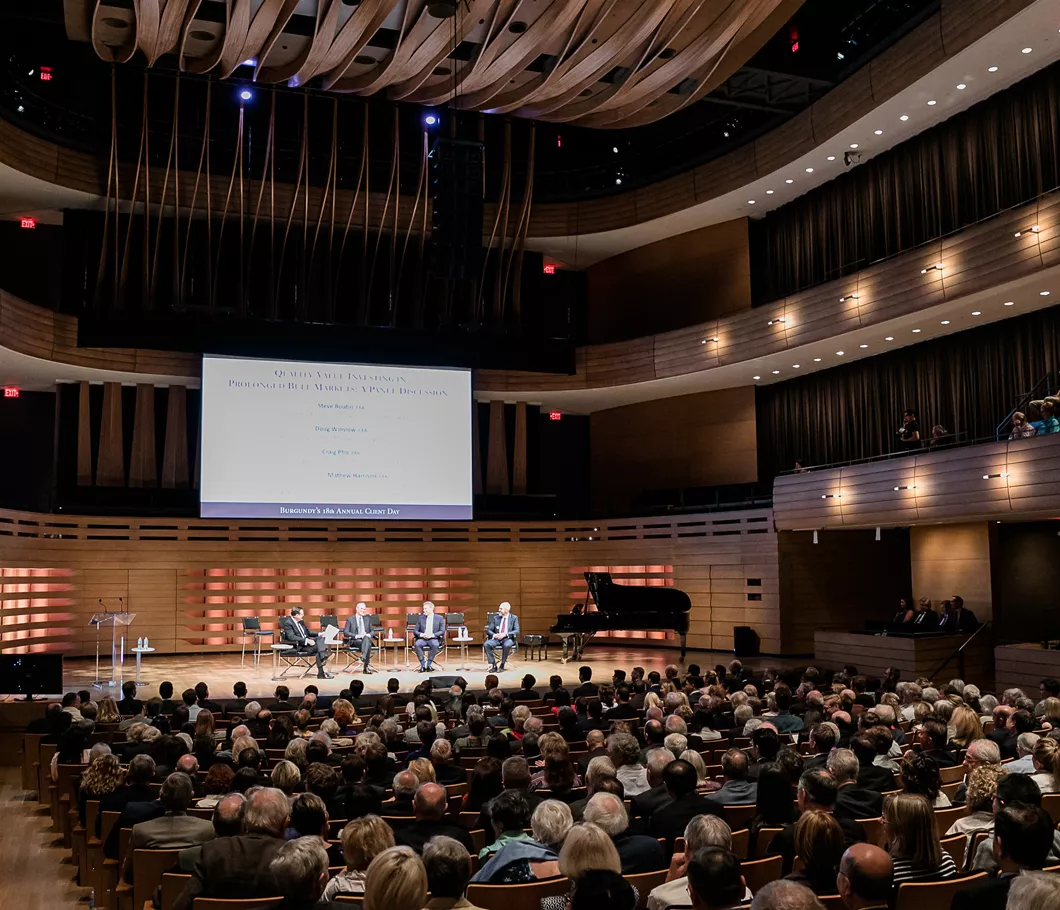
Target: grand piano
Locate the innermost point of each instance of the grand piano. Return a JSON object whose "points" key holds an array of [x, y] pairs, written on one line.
{"points": [[622, 607]]}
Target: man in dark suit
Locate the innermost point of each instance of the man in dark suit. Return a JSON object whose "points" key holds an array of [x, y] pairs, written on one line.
{"points": [[283, 700], [129, 704], [852, 801], [870, 776], [502, 631], [623, 709], [293, 631], [822, 741], [136, 790], [737, 789], [958, 619], [526, 692], [866, 877], [933, 736], [595, 741], [165, 692], [637, 852], [670, 820], [429, 636], [586, 686], [238, 867], [1023, 835], [429, 806], [644, 805], [359, 633], [202, 699], [238, 702]]}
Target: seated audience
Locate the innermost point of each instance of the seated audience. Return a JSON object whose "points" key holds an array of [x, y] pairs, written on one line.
{"points": [[396, 880], [300, 870], [448, 867], [510, 816], [485, 783], [819, 844], [430, 806], [714, 880], [736, 790], [669, 820], [624, 752], [309, 817], [981, 791], [587, 848], [909, 827], [1034, 890], [1046, 757], [866, 878], [637, 852], [363, 839], [920, 774], [702, 832], [852, 800]]}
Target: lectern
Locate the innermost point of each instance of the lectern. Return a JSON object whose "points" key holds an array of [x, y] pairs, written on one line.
{"points": [[118, 623]]}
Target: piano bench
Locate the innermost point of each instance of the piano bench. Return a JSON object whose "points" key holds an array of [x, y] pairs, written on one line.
{"points": [[540, 642]]}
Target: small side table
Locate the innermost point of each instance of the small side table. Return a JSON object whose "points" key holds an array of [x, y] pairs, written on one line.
{"points": [[397, 643], [463, 644], [140, 652], [276, 649]]}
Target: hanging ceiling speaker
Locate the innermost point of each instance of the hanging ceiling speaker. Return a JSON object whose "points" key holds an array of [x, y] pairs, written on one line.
{"points": [[442, 9]]}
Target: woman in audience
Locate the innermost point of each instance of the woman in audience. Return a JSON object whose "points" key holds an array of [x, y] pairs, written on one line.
{"points": [[1046, 757], [205, 724], [424, 771], [108, 711], [601, 888], [909, 830], [651, 700], [342, 711], [774, 804], [703, 782], [560, 699], [1050, 719], [72, 750], [558, 775], [294, 752], [484, 785], [920, 775], [520, 859], [980, 793], [396, 880], [363, 840], [101, 777], [588, 848], [331, 727], [967, 727], [281, 732], [568, 726], [286, 776], [987, 704], [819, 843]]}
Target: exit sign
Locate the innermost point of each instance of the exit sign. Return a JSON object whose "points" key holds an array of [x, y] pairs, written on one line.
{"points": [[555, 415], [10, 392], [28, 223], [550, 270]]}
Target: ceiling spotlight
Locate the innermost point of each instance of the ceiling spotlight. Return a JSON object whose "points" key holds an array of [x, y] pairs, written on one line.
{"points": [[1010, 303], [961, 86], [614, 149], [839, 353], [769, 192], [991, 69], [945, 322], [1027, 50], [977, 312], [904, 117], [809, 170], [750, 202], [932, 103], [853, 296], [889, 338], [1043, 293], [909, 487], [916, 331], [756, 377], [778, 319], [789, 180], [991, 476], [816, 359], [776, 372], [831, 157], [878, 132], [430, 119], [853, 145], [862, 345], [246, 94], [795, 366]]}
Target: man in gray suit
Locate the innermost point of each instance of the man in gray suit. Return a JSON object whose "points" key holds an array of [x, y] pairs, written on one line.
{"points": [[429, 636], [737, 789], [502, 631], [175, 829], [359, 633]]}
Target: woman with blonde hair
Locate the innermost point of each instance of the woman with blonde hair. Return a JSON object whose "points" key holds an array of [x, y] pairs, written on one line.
{"points": [[1046, 757], [101, 777], [587, 848], [909, 830], [967, 727], [703, 781], [651, 700], [286, 776], [424, 771], [363, 840], [819, 843], [981, 790], [108, 711], [396, 880], [296, 753]]}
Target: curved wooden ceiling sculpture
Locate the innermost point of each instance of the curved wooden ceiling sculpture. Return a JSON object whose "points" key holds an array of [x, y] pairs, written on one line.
{"points": [[598, 63]]}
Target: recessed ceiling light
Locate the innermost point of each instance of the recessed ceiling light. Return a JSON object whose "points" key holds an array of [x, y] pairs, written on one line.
{"points": [[769, 192], [878, 132], [756, 377], [1043, 293], [991, 69], [916, 331], [839, 353], [1027, 50], [932, 103], [795, 366], [809, 170], [816, 359], [853, 145], [831, 157], [1010, 303], [904, 117], [750, 202], [789, 180], [776, 372], [977, 312], [889, 338], [862, 345], [961, 86], [945, 322]]}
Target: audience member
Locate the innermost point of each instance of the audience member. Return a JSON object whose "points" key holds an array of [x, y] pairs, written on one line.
{"points": [[363, 839], [909, 827], [396, 880], [637, 852], [865, 880]]}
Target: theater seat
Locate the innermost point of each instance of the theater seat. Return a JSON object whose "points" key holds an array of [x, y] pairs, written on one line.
{"points": [[932, 895]]}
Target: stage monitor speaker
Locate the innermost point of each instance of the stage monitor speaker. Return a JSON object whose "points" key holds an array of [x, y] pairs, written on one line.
{"points": [[442, 682], [456, 175], [745, 641]]}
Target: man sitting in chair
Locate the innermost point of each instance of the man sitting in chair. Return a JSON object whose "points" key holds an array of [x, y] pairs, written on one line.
{"points": [[429, 636], [359, 635], [502, 631], [293, 631]]}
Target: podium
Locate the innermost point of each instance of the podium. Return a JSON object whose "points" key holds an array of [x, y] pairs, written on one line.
{"points": [[118, 622]]}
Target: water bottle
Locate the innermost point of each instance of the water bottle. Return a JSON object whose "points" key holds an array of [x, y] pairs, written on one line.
{"points": [[139, 642], [92, 899], [146, 644]]}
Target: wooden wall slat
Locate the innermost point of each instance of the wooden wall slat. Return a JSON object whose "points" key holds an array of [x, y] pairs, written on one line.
{"points": [[84, 436], [175, 454], [519, 454], [497, 452], [110, 464], [143, 466]]}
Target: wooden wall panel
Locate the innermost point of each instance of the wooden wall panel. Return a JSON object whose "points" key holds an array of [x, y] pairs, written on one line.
{"points": [[175, 455], [189, 581], [143, 466], [84, 436], [706, 439], [953, 559], [497, 452], [994, 480], [519, 454], [110, 465]]}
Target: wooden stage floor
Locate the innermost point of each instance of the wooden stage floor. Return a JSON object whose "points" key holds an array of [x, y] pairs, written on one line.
{"points": [[220, 671]]}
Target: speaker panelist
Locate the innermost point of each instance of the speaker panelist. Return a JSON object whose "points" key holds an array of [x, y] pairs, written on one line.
{"points": [[430, 630], [502, 631], [293, 631], [359, 633]]}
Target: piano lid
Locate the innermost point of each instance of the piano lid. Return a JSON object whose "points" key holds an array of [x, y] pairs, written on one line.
{"points": [[611, 597]]}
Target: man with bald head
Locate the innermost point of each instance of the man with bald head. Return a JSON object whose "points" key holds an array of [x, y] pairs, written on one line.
{"points": [[502, 632], [429, 806], [227, 822], [865, 877], [238, 866]]}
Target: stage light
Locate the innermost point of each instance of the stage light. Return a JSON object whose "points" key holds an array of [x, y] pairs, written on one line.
{"points": [[904, 117], [776, 372], [430, 120], [862, 345], [961, 86], [1010, 303], [945, 322], [250, 61], [831, 158], [1033, 229], [839, 353], [889, 338], [916, 331], [909, 487], [937, 267], [853, 145], [977, 312], [991, 69], [795, 366], [816, 359], [809, 170], [246, 94], [750, 202], [789, 180], [992, 476], [756, 377], [878, 132], [1043, 293], [1027, 50], [932, 103], [769, 192]]}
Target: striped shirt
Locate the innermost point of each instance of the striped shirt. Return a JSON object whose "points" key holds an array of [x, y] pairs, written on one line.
{"points": [[905, 871]]}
